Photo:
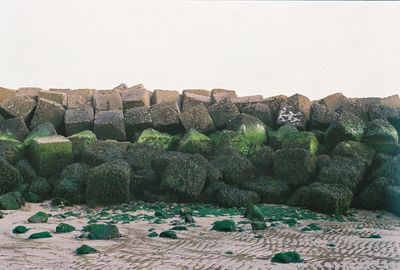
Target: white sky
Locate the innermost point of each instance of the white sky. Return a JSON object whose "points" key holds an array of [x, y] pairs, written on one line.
{"points": [[268, 48]]}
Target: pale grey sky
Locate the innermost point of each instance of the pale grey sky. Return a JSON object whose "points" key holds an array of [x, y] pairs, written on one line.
{"points": [[268, 48]]}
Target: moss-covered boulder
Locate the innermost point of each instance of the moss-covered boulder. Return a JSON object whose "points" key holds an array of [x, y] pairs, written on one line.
{"points": [[39, 217], [392, 200], [101, 231], [153, 137], [253, 212], [213, 175], [252, 127], [263, 159], [258, 225], [224, 195], [26, 171], [85, 249], [355, 150], [40, 235], [269, 190], [139, 155], [14, 128], [144, 180], [295, 166], [168, 234], [390, 169], [9, 175], [321, 116], [100, 152], [346, 127], [80, 141], [71, 182], [44, 130], [275, 138], [50, 154], [32, 197], [324, 198], [11, 149], [373, 197], [237, 141], [11, 201], [287, 257], [305, 140], [381, 136], [64, 228], [48, 111], [20, 229], [109, 183], [41, 187], [226, 225], [196, 142]]}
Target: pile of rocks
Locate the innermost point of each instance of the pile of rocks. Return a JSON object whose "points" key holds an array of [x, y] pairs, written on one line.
{"points": [[110, 146]]}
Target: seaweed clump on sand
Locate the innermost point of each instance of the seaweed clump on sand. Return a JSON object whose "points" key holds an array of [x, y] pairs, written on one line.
{"points": [[101, 231], [287, 257], [85, 249], [40, 235], [226, 225]]}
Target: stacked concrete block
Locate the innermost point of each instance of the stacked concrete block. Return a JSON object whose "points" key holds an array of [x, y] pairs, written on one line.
{"points": [[58, 97], [109, 125], [18, 106]]}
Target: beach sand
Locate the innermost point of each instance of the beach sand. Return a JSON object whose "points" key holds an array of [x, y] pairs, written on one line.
{"points": [[199, 247]]}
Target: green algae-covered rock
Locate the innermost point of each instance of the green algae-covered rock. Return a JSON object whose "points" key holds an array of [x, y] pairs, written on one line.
{"points": [[373, 197], [101, 231], [64, 228], [109, 183], [100, 152], [11, 201], [169, 234], [50, 154], [381, 136], [305, 140], [80, 141], [253, 212], [324, 198], [11, 149], [224, 195], [196, 142], [252, 127], [390, 169], [238, 141], [40, 235], [20, 229], [269, 190], [139, 156], [311, 227], [39, 217], [263, 159], [32, 197], [355, 150], [153, 137], [152, 234], [213, 175], [26, 171], [287, 257], [189, 219], [226, 225], [41, 187], [276, 137], [85, 249], [347, 127], [8, 176], [44, 130], [258, 225], [295, 166]]}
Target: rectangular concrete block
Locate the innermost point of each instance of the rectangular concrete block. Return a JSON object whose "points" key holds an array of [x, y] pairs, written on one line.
{"points": [[109, 125], [48, 111], [163, 96], [79, 119], [219, 94], [6, 93], [190, 99], [135, 98], [58, 97], [165, 117], [109, 102], [136, 120], [29, 91], [18, 106], [200, 92]]}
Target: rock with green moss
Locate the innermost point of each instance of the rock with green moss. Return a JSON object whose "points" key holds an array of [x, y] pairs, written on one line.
{"points": [[390, 169], [324, 198], [355, 150], [32, 197], [152, 234], [373, 197], [237, 141], [169, 234], [39, 217], [139, 155], [43, 130], [85, 249], [50, 154], [275, 138], [381, 136], [226, 225], [14, 128], [305, 140], [20, 229], [263, 159], [252, 127], [100, 152], [26, 170], [64, 228], [153, 137], [80, 141], [101, 231], [11, 201], [11, 149], [287, 257], [196, 142], [311, 227], [346, 127], [213, 175], [268, 189], [224, 195], [253, 212], [9, 176], [40, 235], [41, 187], [109, 183], [258, 226], [189, 219], [321, 116]]}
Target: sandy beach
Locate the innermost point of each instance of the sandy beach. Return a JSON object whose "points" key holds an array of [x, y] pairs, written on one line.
{"points": [[199, 247]]}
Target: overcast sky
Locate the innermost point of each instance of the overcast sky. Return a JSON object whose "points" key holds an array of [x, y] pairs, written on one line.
{"points": [[268, 48]]}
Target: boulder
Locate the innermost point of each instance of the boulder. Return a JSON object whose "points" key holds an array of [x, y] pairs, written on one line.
{"points": [[250, 126], [347, 127], [253, 212], [213, 175], [48, 111], [165, 117], [355, 150], [18, 106], [165, 96], [335, 101], [219, 94], [77, 120], [138, 97], [189, 99], [11, 201], [196, 142], [85, 249], [11, 150], [101, 231], [260, 111], [287, 257], [305, 140], [393, 198], [160, 163], [99, 152], [26, 171], [136, 120], [14, 128], [155, 138], [390, 169], [41, 187], [268, 190], [274, 103], [58, 96], [109, 183], [263, 159], [200, 92], [295, 166], [107, 102], [291, 115], [325, 198], [79, 98], [39, 217], [6, 93], [80, 141], [224, 195], [64, 228], [238, 141], [143, 181], [381, 136], [226, 225], [42, 130], [60, 90], [109, 125], [50, 154], [32, 92], [9, 175], [321, 116], [241, 102], [276, 137], [222, 112], [300, 102], [197, 117], [140, 155], [374, 196]]}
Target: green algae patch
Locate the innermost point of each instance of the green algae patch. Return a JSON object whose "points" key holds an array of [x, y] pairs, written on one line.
{"points": [[85, 249], [226, 225], [311, 227], [162, 214], [101, 231], [64, 228], [80, 141], [179, 228], [20, 229], [11, 201], [258, 236], [196, 142], [238, 141], [155, 138], [189, 219], [331, 245], [253, 212], [371, 236], [287, 257], [152, 234], [39, 217], [169, 234], [33, 197], [258, 226], [305, 140], [40, 235], [229, 252]]}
